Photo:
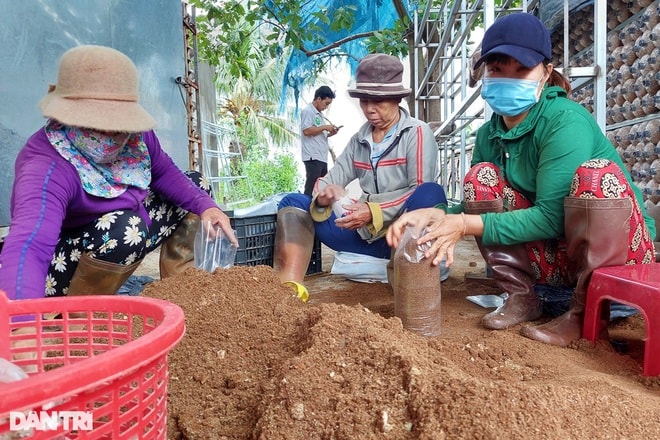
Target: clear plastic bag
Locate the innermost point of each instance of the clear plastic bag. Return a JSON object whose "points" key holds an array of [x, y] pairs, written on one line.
{"points": [[338, 206], [412, 251], [213, 249], [416, 286], [10, 372]]}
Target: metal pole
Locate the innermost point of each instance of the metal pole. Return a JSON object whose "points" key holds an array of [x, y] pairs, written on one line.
{"points": [[198, 110], [489, 19], [600, 59]]}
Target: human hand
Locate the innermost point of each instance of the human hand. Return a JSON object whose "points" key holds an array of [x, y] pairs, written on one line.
{"points": [[357, 215], [332, 130], [418, 219], [329, 194], [442, 231], [218, 218], [443, 237]]}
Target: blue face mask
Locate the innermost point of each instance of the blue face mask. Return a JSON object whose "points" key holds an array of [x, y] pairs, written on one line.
{"points": [[509, 96]]}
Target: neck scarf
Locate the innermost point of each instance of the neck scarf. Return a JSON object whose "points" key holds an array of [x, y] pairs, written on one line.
{"points": [[106, 168]]}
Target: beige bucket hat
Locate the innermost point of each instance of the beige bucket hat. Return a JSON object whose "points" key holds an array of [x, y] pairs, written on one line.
{"points": [[97, 87]]}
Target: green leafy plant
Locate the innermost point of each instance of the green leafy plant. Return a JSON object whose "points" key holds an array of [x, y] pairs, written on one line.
{"points": [[265, 177]]}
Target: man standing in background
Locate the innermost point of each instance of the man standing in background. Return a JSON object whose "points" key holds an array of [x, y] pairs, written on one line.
{"points": [[314, 133]]}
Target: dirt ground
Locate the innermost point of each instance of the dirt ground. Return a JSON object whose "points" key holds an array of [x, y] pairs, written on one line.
{"points": [[257, 363]]}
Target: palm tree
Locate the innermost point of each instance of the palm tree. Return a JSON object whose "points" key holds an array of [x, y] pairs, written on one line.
{"points": [[248, 83], [249, 86]]}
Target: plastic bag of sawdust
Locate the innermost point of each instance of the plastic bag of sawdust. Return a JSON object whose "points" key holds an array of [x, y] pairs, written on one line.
{"points": [[416, 287], [213, 250]]}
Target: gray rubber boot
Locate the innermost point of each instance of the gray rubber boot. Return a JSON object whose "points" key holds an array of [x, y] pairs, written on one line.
{"points": [[294, 243]]}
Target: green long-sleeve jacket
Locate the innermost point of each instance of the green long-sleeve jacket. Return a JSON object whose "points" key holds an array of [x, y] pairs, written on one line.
{"points": [[539, 157]]}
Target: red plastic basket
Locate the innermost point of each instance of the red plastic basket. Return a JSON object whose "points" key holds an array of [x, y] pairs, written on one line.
{"points": [[104, 355]]}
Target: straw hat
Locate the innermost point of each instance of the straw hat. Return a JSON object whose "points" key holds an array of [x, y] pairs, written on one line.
{"points": [[97, 87], [379, 76]]}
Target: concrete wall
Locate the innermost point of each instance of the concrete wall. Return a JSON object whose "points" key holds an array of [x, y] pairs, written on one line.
{"points": [[35, 33]]}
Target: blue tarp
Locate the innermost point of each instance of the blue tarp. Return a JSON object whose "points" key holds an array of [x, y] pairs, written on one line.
{"points": [[370, 15], [134, 285], [551, 12]]}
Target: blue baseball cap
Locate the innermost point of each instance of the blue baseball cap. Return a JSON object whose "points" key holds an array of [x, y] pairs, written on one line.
{"points": [[520, 35]]}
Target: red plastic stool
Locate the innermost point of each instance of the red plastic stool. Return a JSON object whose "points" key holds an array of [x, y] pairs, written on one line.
{"points": [[637, 286]]}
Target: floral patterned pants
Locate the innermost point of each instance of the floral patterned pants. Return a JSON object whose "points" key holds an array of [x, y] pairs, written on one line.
{"points": [[120, 237], [593, 179]]}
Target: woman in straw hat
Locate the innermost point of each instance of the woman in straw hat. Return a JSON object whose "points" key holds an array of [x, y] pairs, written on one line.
{"points": [[548, 197], [393, 156], [94, 192]]}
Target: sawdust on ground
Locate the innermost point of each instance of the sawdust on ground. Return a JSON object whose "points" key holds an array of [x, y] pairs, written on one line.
{"points": [[257, 363]]}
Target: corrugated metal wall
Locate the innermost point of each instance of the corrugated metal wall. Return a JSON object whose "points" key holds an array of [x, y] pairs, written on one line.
{"points": [[35, 33]]}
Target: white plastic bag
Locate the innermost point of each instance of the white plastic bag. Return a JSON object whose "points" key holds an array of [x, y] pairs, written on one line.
{"points": [[338, 206], [360, 268], [213, 249]]}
